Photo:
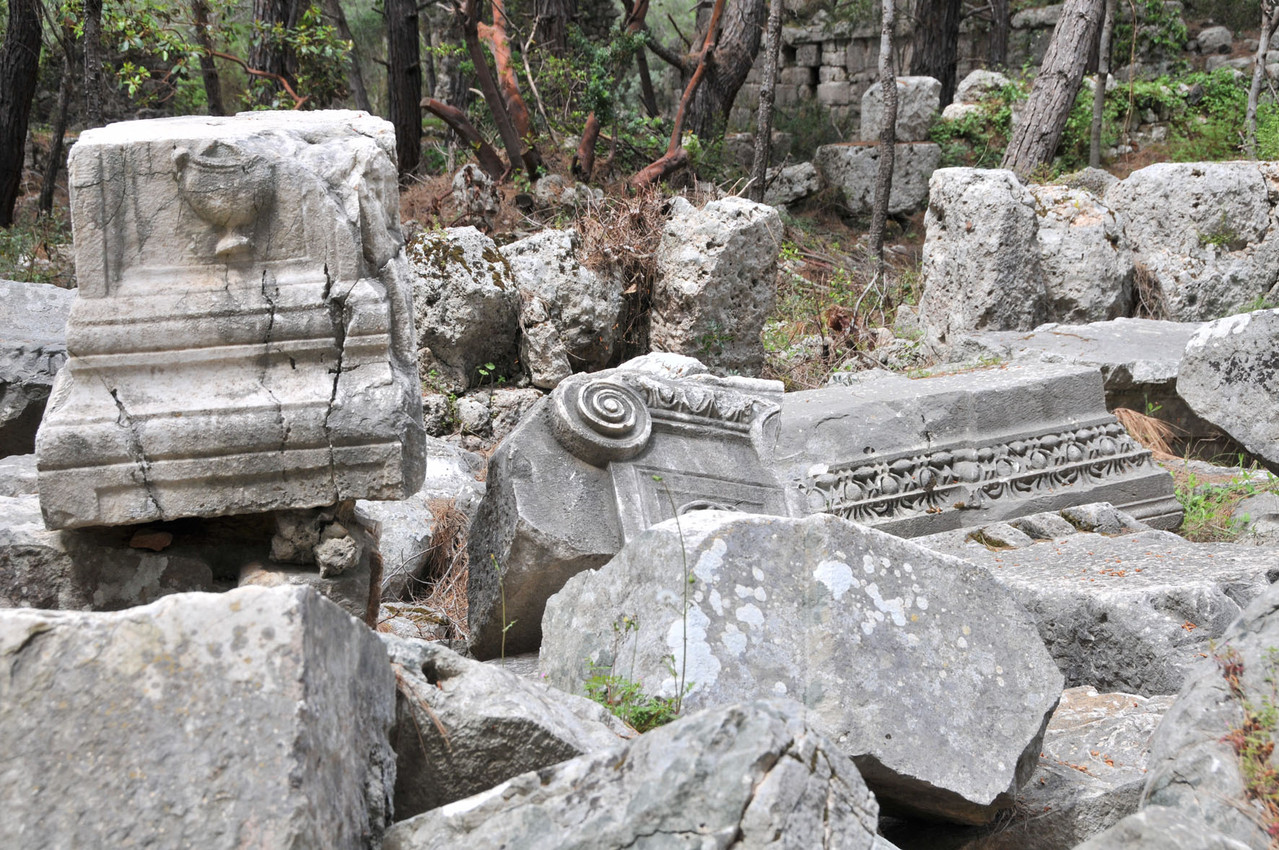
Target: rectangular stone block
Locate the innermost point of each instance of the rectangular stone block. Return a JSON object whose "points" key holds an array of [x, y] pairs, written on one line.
{"points": [[243, 336], [807, 55], [915, 457], [834, 94], [801, 76], [254, 718], [831, 74]]}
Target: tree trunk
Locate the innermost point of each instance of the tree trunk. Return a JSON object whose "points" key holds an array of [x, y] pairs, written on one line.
{"points": [[208, 70], [54, 164], [1035, 140], [500, 47], [1000, 25], [404, 81], [887, 140], [93, 63], [936, 45], [333, 11], [1269, 17], [488, 159], [767, 91], [267, 56], [1099, 90], [19, 68], [552, 20], [469, 14], [742, 25]]}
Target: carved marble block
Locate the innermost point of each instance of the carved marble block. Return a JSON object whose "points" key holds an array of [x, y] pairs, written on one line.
{"points": [[243, 337], [915, 457]]}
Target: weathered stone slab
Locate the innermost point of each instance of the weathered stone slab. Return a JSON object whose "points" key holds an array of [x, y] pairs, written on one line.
{"points": [[463, 727], [603, 458], [852, 168], [1091, 772], [1230, 376], [915, 457], [1193, 766], [1132, 612], [18, 476], [922, 667], [251, 718], [1163, 828], [918, 102], [749, 776], [242, 340], [32, 349], [1086, 260]]}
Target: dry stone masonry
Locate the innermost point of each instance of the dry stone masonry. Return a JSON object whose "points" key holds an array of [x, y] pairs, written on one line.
{"points": [[242, 340]]}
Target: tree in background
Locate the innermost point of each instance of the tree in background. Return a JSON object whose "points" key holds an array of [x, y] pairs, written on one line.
{"points": [[1035, 138], [404, 81], [887, 140], [935, 48], [767, 93], [19, 68]]}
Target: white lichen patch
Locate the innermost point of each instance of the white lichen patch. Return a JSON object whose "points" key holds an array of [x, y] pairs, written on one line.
{"points": [[693, 658], [750, 615], [717, 602], [711, 559], [836, 575]]}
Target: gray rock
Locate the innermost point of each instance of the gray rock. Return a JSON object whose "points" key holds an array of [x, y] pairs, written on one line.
{"points": [[18, 476], [1130, 613], [716, 281], [852, 169], [463, 727], [1259, 515], [88, 569], [33, 346], [1193, 766], [252, 718], [1230, 376], [1094, 180], [1204, 231], [570, 316], [1161, 828], [750, 776], [1086, 261], [466, 307], [981, 263], [242, 337], [1091, 772], [792, 184], [604, 457], [918, 102], [474, 192], [1042, 17], [1215, 40], [856, 622], [979, 85]]}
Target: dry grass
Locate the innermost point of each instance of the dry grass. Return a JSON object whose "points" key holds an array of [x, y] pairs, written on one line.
{"points": [[1148, 293], [1155, 434], [446, 567]]}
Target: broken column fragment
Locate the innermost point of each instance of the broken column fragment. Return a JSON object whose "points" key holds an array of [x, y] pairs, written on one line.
{"points": [[243, 337]]}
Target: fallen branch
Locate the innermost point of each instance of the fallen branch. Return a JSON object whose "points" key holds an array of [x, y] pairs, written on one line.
{"points": [[298, 100], [485, 154]]}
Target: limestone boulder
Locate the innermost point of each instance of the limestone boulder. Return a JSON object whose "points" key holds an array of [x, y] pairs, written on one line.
{"points": [[887, 643], [716, 282], [981, 260], [18, 476], [918, 102], [979, 85], [251, 718], [1230, 376], [852, 168], [33, 346], [1204, 231], [1130, 611], [1194, 769], [1163, 828], [463, 727], [792, 184], [1215, 40], [747, 776], [1085, 258], [1090, 775], [570, 316], [465, 307]]}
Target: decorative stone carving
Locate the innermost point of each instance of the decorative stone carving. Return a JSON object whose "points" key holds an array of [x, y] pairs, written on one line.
{"points": [[624, 449], [243, 337], [923, 456]]}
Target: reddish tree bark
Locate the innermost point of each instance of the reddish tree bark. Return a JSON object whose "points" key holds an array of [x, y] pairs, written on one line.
{"points": [[500, 45]]}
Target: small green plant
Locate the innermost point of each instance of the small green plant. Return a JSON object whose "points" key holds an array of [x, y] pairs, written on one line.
{"points": [[1223, 236], [713, 341], [1253, 740], [1209, 508], [623, 696], [501, 589]]}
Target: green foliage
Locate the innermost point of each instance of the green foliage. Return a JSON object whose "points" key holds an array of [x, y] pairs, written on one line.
{"points": [[321, 59], [1253, 740], [810, 126], [627, 700], [978, 139], [1160, 32], [37, 251], [1209, 508]]}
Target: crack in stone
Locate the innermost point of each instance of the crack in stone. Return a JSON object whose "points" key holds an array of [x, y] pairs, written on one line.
{"points": [[337, 318], [267, 285], [135, 449]]}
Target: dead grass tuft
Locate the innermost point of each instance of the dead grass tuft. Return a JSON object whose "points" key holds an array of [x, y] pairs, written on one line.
{"points": [[1149, 294], [1155, 434], [446, 567]]}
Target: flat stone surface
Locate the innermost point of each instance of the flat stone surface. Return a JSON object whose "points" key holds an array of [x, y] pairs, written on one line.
{"points": [[33, 346], [749, 776], [1163, 828], [916, 457], [919, 666], [240, 345], [463, 727], [852, 168], [18, 476], [1133, 612], [251, 718], [918, 102]]}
